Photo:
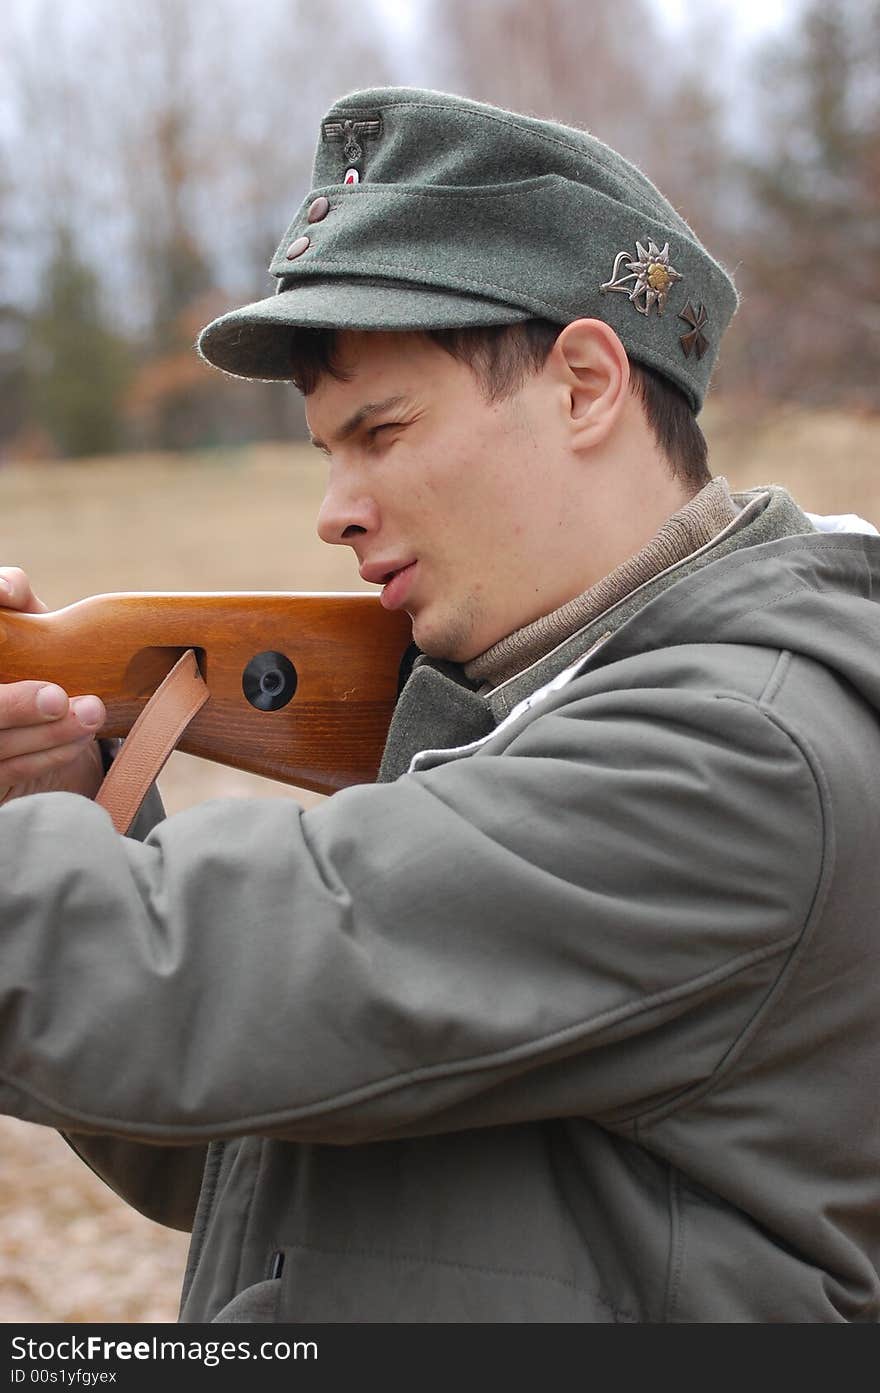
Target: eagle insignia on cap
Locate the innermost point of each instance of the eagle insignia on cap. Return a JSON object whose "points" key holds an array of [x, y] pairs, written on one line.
{"points": [[652, 273], [352, 133]]}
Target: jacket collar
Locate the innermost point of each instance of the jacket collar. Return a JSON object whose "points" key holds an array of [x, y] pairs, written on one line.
{"points": [[440, 708]]}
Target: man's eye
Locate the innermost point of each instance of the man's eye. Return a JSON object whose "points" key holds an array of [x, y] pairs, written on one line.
{"points": [[376, 431]]}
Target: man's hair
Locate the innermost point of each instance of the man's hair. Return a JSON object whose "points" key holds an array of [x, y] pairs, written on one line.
{"points": [[502, 356]]}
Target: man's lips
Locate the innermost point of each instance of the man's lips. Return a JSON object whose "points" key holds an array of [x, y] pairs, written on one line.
{"points": [[397, 587], [395, 576], [380, 572]]}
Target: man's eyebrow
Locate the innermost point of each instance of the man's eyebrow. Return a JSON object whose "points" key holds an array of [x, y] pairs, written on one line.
{"points": [[357, 418]]}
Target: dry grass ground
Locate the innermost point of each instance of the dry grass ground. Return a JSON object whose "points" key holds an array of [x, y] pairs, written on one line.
{"points": [[243, 520]]}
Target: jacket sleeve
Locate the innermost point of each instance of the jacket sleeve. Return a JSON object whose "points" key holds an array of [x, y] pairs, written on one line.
{"points": [[161, 1182], [578, 919]]}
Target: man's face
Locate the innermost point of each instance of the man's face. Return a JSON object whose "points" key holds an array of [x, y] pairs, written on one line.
{"points": [[447, 500]]}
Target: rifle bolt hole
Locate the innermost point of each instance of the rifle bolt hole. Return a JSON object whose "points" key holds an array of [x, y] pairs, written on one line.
{"points": [[269, 681]]}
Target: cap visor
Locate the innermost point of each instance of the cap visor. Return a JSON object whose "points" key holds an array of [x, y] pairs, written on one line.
{"points": [[254, 341]]}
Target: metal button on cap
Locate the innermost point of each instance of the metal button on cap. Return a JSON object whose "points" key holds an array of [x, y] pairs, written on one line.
{"points": [[319, 209], [297, 248]]}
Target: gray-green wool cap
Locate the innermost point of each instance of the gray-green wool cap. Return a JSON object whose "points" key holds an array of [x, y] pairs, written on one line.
{"points": [[431, 211]]}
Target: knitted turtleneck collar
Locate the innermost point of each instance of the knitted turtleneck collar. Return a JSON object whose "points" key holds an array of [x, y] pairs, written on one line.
{"points": [[696, 524]]}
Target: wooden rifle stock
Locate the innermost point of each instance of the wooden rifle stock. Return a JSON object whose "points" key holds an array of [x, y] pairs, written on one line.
{"points": [[302, 685]]}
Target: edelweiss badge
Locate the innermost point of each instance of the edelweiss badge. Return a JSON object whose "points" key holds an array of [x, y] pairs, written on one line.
{"points": [[652, 273]]}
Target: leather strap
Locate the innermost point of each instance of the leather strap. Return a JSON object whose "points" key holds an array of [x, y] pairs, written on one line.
{"points": [[151, 740]]}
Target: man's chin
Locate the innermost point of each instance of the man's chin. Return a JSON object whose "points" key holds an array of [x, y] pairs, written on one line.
{"points": [[442, 641]]}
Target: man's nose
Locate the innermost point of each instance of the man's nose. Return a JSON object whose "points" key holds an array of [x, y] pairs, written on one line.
{"points": [[346, 514]]}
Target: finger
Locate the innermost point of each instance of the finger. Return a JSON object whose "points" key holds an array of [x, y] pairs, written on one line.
{"points": [[30, 703], [27, 740], [16, 592], [89, 711], [27, 768]]}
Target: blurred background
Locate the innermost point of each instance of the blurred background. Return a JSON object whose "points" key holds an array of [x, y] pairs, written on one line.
{"points": [[152, 153]]}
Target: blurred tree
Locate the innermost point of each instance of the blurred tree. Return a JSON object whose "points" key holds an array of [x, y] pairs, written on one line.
{"points": [[560, 59], [174, 140], [208, 166], [811, 272], [12, 405], [74, 367], [13, 408], [628, 79]]}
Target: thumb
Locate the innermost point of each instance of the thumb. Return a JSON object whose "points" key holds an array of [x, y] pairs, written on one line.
{"points": [[16, 592]]}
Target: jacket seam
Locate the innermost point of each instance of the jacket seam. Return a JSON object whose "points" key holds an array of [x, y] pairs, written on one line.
{"points": [[676, 1245], [768, 604], [776, 679], [202, 1216], [741, 1041], [521, 1273], [246, 1219], [448, 1069], [743, 560]]}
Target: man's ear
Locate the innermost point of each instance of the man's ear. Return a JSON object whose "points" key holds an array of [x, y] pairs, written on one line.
{"points": [[593, 364]]}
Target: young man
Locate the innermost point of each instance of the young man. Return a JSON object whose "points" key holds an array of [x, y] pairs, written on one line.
{"points": [[575, 1014]]}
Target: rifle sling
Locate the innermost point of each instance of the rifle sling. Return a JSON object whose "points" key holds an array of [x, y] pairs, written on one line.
{"points": [[151, 740]]}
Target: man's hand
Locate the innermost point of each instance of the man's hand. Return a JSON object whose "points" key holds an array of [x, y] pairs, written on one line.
{"points": [[47, 740]]}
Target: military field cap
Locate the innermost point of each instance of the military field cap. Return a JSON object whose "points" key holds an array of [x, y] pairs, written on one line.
{"points": [[432, 211]]}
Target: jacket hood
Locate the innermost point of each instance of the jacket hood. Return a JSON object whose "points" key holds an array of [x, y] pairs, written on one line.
{"points": [[812, 594]]}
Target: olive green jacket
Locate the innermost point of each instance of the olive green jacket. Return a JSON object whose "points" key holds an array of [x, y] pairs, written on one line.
{"points": [[574, 1016]]}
